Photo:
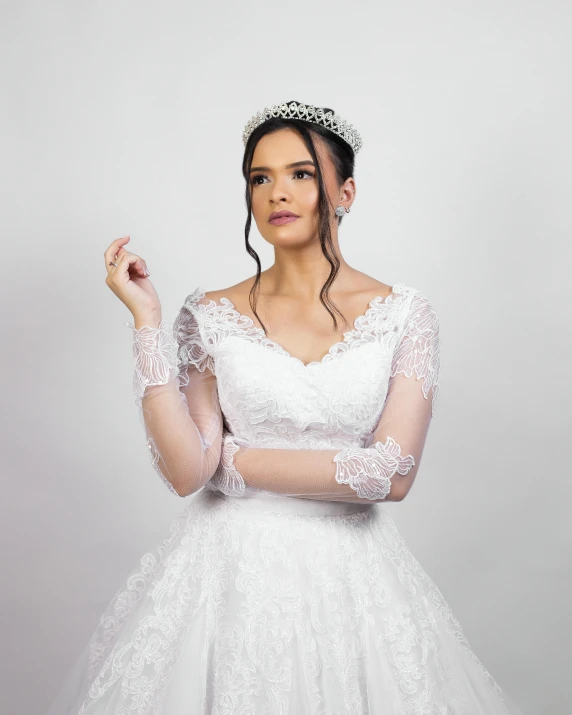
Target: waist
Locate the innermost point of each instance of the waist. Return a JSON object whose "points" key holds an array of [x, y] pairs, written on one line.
{"points": [[260, 501]]}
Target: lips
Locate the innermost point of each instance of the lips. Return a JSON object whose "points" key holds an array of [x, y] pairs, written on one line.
{"points": [[279, 217]]}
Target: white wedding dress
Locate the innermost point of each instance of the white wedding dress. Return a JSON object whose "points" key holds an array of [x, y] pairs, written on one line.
{"points": [[284, 586]]}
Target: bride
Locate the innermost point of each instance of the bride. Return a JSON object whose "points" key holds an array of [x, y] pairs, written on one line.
{"points": [[289, 410]]}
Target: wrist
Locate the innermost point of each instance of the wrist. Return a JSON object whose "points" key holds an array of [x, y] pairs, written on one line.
{"points": [[152, 319]]}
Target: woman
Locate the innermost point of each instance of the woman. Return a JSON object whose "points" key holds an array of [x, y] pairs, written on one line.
{"points": [[290, 408]]}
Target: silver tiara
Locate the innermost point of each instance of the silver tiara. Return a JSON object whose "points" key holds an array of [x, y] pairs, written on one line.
{"points": [[317, 115]]}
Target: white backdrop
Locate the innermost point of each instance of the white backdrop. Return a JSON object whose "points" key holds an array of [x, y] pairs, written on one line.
{"points": [[124, 117]]}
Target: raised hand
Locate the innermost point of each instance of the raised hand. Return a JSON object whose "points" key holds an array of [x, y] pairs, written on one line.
{"points": [[129, 280]]}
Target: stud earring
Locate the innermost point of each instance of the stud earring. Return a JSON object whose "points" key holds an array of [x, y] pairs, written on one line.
{"points": [[340, 210]]}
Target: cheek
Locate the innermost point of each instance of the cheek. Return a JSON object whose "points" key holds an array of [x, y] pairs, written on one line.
{"points": [[308, 194], [255, 199]]}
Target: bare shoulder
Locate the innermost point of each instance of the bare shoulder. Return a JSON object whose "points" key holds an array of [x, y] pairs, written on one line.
{"points": [[365, 287], [237, 291]]}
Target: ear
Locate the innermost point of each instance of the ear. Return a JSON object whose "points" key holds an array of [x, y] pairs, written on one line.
{"points": [[347, 193]]}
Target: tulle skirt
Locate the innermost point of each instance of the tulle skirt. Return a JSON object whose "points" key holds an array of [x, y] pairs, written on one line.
{"points": [[279, 606]]}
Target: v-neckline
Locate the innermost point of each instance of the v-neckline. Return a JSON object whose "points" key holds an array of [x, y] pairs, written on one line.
{"points": [[247, 322]]}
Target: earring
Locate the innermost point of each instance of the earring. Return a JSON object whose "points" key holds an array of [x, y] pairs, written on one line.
{"points": [[340, 211]]}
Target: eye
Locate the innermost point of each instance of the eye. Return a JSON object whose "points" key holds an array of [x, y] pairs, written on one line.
{"points": [[254, 179], [303, 171]]}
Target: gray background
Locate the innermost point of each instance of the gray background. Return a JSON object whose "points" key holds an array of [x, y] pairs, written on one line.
{"points": [[126, 117]]}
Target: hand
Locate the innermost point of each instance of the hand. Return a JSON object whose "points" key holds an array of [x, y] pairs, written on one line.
{"points": [[226, 477], [129, 280]]}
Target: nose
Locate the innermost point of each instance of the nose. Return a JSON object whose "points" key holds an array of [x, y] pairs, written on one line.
{"points": [[279, 191]]}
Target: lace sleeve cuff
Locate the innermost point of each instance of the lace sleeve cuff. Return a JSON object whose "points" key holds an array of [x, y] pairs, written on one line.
{"points": [[369, 470], [227, 478], [154, 356]]}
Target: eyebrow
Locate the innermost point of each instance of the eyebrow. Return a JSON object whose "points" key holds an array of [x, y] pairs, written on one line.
{"points": [[288, 166]]}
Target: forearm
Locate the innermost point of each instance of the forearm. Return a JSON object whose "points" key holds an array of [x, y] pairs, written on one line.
{"points": [[356, 475], [178, 450], [385, 469], [180, 411], [382, 471]]}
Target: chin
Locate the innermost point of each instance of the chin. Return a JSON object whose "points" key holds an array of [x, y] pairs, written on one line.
{"points": [[285, 236]]}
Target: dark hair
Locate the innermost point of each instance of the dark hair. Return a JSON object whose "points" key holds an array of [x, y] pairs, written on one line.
{"points": [[343, 158]]}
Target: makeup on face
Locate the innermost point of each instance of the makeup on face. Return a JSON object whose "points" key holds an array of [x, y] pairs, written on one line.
{"points": [[279, 218]]}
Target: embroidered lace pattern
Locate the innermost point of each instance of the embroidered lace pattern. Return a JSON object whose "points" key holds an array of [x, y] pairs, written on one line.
{"points": [[403, 325], [369, 470], [273, 612], [366, 598], [224, 321]]}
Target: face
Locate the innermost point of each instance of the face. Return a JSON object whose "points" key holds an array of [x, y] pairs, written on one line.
{"points": [[283, 178]]}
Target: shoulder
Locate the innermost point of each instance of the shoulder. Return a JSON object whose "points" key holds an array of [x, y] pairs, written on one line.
{"points": [[418, 321], [233, 293], [416, 300], [419, 330], [412, 302], [362, 287]]}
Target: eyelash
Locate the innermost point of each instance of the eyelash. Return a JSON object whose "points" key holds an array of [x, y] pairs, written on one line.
{"points": [[262, 176]]}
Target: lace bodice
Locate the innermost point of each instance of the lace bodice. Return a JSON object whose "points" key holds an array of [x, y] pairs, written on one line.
{"points": [[271, 402], [272, 399]]}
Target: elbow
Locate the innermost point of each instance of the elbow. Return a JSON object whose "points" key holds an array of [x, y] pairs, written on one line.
{"points": [[182, 492], [191, 483], [176, 487], [193, 476], [190, 478], [186, 489]]}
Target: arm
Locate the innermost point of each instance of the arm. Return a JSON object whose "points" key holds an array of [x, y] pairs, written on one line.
{"points": [[384, 470], [175, 389]]}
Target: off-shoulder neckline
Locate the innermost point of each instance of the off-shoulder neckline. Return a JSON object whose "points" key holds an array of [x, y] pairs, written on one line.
{"points": [[240, 319]]}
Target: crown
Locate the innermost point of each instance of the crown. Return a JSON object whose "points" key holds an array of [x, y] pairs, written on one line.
{"points": [[308, 113]]}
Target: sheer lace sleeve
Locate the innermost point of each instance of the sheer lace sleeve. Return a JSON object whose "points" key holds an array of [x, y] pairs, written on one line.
{"points": [[386, 466], [176, 392]]}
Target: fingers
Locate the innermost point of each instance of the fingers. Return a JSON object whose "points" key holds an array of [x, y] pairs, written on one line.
{"points": [[113, 249], [117, 257], [129, 262]]}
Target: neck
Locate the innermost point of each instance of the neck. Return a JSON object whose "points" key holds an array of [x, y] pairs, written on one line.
{"points": [[302, 271]]}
